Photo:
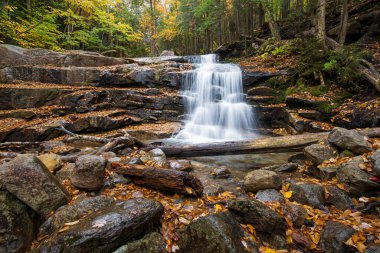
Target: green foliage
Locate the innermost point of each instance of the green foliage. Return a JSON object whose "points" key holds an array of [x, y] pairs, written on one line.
{"points": [[276, 48]]}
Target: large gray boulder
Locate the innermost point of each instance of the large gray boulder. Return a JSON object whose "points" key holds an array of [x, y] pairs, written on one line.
{"points": [[307, 194], [106, 230], [70, 213], [333, 237], [319, 153], [259, 215], [218, 232], [357, 180], [16, 225], [349, 139], [260, 180], [375, 157], [150, 243], [88, 173], [31, 182]]}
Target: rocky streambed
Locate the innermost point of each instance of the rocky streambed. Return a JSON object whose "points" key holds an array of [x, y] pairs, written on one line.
{"points": [[76, 177]]}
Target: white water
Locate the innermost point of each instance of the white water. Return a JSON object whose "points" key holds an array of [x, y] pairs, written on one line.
{"points": [[214, 100]]}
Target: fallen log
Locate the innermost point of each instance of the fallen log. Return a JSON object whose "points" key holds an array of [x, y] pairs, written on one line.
{"points": [[293, 143], [161, 179]]}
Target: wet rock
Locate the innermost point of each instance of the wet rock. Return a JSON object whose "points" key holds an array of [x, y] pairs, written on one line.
{"points": [[333, 237], [308, 194], [349, 139], [375, 158], [212, 189], [319, 153], [274, 240], [16, 225], [261, 91], [115, 179], [339, 198], [298, 159], [107, 229], [259, 215], [182, 165], [31, 182], [357, 180], [136, 161], [296, 213], [150, 243], [261, 180], [108, 155], [221, 172], [218, 232], [325, 172], [286, 167], [158, 156], [88, 173], [270, 195], [52, 162], [372, 248], [70, 213]]}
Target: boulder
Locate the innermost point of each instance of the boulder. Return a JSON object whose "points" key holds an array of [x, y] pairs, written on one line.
{"points": [[349, 139], [375, 158], [52, 162], [88, 173], [16, 225], [307, 194], [261, 180], [107, 229], [270, 195], [296, 214], [298, 159], [218, 232], [318, 153], [182, 165], [150, 243], [31, 182], [73, 212], [221, 172], [339, 198], [357, 180], [158, 156], [115, 179], [324, 172], [65, 172], [259, 215], [333, 237]]}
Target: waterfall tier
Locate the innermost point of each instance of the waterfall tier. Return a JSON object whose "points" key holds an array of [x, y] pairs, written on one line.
{"points": [[215, 103]]}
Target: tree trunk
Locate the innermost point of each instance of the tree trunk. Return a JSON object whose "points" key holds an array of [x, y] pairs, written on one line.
{"points": [[343, 23], [263, 145], [321, 21], [28, 5], [161, 179], [272, 23]]}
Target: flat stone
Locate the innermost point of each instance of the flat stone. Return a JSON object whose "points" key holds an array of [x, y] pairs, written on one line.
{"points": [[31, 182], [221, 172], [52, 162], [150, 243]]}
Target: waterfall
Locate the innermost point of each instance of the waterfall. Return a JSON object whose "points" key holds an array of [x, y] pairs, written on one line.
{"points": [[214, 102]]}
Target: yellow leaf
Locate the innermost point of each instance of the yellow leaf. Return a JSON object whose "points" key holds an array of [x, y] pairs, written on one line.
{"points": [[264, 249], [219, 208], [288, 194]]}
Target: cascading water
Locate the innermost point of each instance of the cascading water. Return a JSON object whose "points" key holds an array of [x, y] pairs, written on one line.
{"points": [[214, 100]]}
